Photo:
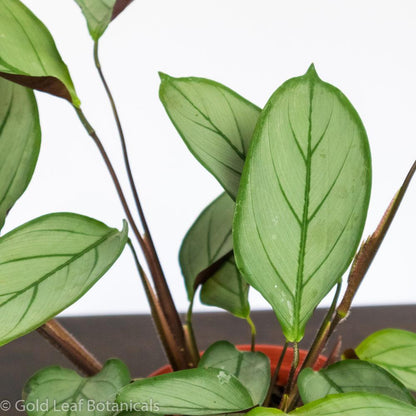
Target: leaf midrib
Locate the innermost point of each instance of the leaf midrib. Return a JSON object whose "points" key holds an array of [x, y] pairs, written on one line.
{"points": [[305, 222]]}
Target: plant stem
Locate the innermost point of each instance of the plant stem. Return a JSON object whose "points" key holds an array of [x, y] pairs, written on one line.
{"points": [[253, 333], [159, 280], [290, 383], [69, 346], [159, 319], [123, 145], [190, 334], [275, 377], [181, 355], [318, 344]]}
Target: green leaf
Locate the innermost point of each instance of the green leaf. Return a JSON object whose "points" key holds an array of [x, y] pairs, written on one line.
{"points": [[99, 14], [49, 263], [265, 411], [251, 368], [28, 54], [56, 391], [347, 404], [19, 142], [350, 376], [207, 241], [356, 404], [196, 391], [303, 198], [394, 350], [214, 122], [227, 289]]}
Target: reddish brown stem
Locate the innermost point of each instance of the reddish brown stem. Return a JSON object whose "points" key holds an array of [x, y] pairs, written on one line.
{"points": [[66, 343], [181, 355]]}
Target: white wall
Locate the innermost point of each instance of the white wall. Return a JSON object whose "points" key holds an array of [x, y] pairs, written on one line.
{"points": [[366, 48]]}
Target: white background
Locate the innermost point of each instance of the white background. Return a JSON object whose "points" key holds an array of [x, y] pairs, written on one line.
{"points": [[365, 48]]}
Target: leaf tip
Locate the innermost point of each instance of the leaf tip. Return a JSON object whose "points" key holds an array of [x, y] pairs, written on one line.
{"points": [[164, 77], [312, 71]]}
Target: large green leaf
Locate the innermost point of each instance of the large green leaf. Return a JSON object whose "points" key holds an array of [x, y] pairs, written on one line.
{"points": [[347, 404], [197, 391], [56, 391], [208, 241], [99, 14], [350, 376], [215, 123], [227, 289], [394, 350], [49, 263], [251, 368], [28, 53], [303, 198], [19, 142]]}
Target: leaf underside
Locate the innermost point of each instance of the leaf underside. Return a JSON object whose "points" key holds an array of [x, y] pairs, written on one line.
{"points": [[303, 198], [49, 263], [28, 54], [207, 242], [99, 14]]}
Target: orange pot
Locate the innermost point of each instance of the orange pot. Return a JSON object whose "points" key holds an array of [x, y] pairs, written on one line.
{"points": [[273, 352]]}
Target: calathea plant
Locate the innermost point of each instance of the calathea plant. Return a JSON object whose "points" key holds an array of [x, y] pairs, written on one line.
{"points": [[296, 177]]}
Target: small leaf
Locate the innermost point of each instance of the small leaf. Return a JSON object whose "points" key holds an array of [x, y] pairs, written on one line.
{"points": [[208, 239], [227, 289], [28, 54], [251, 368], [350, 376], [99, 14], [19, 142], [63, 391], [394, 350], [196, 391], [347, 404], [49, 263], [303, 198], [214, 122]]}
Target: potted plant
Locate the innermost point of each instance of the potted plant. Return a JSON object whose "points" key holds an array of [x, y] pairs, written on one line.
{"points": [[296, 177]]}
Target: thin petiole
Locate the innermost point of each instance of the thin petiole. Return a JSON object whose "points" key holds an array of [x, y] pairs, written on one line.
{"points": [[253, 332]]}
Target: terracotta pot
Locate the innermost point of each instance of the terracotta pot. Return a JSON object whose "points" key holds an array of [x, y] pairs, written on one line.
{"points": [[273, 352]]}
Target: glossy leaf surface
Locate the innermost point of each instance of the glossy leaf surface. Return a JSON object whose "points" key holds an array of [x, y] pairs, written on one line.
{"points": [[49, 263], [350, 376], [28, 54], [303, 198], [394, 350], [348, 404], [63, 391], [251, 368], [99, 14], [215, 123], [197, 391], [19, 142]]}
